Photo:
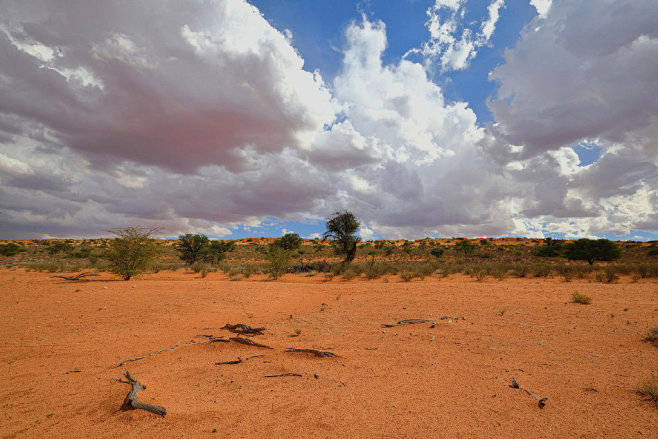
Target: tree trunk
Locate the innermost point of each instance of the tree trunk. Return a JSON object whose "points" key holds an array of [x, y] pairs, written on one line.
{"points": [[351, 252]]}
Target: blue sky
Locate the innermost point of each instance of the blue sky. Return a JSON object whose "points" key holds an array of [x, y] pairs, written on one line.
{"points": [[425, 118]]}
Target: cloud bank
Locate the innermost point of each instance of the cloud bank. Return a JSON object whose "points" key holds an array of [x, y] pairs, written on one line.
{"points": [[200, 117]]}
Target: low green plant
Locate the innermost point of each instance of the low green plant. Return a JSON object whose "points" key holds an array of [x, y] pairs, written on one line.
{"points": [[582, 299]]}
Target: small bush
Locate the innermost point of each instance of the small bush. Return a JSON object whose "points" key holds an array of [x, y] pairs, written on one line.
{"points": [[132, 252], [576, 297], [279, 262]]}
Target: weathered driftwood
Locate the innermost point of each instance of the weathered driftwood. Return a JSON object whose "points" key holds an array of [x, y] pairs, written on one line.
{"points": [[405, 322], [285, 374], [541, 402], [77, 276], [243, 329], [313, 352], [238, 361], [249, 342], [131, 401], [173, 348]]}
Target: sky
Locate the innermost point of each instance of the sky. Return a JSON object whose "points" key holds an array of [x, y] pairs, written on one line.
{"points": [[425, 118]]}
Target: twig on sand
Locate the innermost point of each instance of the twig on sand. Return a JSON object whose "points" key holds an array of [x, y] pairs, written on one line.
{"points": [[131, 401], [452, 318], [285, 374], [249, 342], [541, 402], [243, 329], [313, 351], [238, 361], [77, 276], [173, 348], [405, 322]]}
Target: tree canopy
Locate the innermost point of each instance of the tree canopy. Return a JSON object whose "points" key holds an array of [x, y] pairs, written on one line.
{"points": [[591, 250], [198, 248], [342, 228]]}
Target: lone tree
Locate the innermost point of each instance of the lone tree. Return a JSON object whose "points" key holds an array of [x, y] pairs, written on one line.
{"points": [[198, 248], [591, 250], [341, 227], [132, 251]]}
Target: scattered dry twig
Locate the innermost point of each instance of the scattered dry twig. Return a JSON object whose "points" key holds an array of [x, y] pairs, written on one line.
{"points": [[285, 374], [131, 401], [249, 342], [173, 348], [405, 322], [238, 361], [541, 402], [243, 329], [77, 276], [313, 351], [452, 318]]}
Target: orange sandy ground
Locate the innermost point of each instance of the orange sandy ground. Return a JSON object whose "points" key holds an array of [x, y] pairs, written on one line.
{"points": [[414, 381]]}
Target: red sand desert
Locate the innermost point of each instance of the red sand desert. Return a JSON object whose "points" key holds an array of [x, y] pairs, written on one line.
{"points": [[62, 342]]}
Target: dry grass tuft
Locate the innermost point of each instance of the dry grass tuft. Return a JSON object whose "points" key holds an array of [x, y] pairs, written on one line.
{"points": [[576, 297], [649, 389]]}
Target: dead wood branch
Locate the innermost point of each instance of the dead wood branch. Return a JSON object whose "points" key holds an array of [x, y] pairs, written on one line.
{"points": [[77, 276], [541, 402], [285, 374], [243, 329], [173, 348], [238, 361], [313, 352], [131, 401], [405, 322], [249, 342]]}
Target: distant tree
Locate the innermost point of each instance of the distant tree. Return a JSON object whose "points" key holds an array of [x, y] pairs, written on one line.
{"points": [[591, 250], [198, 248], [550, 249], [289, 241], [342, 228], [132, 251]]}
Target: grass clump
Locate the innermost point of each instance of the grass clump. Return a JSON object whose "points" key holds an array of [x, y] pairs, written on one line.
{"points": [[582, 299], [649, 389], [652, 336]]}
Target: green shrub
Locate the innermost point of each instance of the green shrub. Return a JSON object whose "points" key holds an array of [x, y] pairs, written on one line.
{"points": [[465, 246], [11, 249], [132, 252], [279, 261], [437, 252]]}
